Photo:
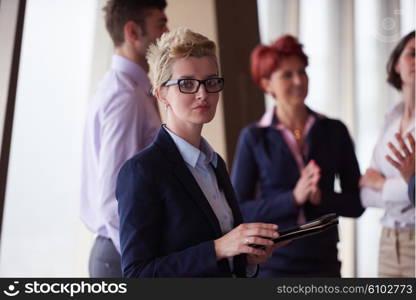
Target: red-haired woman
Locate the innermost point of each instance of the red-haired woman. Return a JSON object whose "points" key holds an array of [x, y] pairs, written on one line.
{"points": [[286, 165]]}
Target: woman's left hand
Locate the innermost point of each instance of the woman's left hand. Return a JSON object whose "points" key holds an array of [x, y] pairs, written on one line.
{"points": [[315, 192], [315, 196], [253, 259], [372, 179]]}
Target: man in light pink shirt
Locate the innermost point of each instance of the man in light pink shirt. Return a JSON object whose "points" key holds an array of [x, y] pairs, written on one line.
{"points": [[122, 119]]}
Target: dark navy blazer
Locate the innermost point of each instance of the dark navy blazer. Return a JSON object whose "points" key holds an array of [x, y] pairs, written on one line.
{"points": [[264, 175], [167, 226]]}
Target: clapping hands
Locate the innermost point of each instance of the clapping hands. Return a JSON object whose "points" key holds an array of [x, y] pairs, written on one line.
{"points": [[405, 160], [307, 186]]}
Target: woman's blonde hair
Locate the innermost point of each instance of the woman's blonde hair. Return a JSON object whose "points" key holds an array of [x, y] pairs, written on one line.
{"points": [[179, 43]]}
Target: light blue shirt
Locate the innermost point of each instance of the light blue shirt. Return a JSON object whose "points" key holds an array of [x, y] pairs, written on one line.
{"points": [[201, 162]]}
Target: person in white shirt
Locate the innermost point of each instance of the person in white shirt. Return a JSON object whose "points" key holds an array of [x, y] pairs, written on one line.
{"points": [[382, 184], [122, 119]]}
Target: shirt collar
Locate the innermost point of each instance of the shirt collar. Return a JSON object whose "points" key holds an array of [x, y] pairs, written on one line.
{"points": [[133, 70], [269, 117], [396, 112], [191, 155]]}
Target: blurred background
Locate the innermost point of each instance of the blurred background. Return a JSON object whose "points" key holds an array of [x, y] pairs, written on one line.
{"points": [[47, 80]]}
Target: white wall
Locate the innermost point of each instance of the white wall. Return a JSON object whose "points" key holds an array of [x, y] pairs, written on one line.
{"points": [[42, 234]]}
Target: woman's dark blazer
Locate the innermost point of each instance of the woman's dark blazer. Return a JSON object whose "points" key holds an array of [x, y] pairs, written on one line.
{"points": [[264, 175], [167, 226]]}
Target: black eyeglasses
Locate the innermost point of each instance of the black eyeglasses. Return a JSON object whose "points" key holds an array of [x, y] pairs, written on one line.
{"points": [[191, 86]]}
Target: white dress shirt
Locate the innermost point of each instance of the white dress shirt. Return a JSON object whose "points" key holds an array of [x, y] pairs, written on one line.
{"points": [[393, 197], [122, 119]]}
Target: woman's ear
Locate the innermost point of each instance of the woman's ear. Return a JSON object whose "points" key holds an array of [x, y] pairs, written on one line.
{"points": [[160, 94], [265, 84], [397, 67]]}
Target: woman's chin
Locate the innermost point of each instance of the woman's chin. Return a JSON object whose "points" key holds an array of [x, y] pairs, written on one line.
{"points": [[203, 118], [298, 100]]}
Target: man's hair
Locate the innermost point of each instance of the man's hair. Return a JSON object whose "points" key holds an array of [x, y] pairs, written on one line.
{"points": [[119, 12], [179, 43], [392, 76]]}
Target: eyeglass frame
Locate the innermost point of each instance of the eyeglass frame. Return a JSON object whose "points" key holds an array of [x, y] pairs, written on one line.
{"points": [[177, 81]]}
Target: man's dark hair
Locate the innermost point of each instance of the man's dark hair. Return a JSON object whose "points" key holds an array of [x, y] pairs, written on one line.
{"points": [[392, 76], [119, 12]]}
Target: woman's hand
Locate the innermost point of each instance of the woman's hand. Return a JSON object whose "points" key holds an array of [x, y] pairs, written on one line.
{"points": [[237, 241], [315, 196], [307, 183], [372, 179], [405, 164], [253, 259], [315, 193]]}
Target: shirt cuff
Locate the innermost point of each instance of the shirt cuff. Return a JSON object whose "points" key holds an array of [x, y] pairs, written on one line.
{"points": [[371, 198], [394, 190]]}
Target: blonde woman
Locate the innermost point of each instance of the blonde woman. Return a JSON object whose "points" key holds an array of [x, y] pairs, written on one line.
{"points": [[178, 212]]}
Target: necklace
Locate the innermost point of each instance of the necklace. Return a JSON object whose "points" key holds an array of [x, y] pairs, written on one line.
{"points": [[297, 133]]}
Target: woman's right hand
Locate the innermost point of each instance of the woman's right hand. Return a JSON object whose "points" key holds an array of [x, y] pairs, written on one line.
{"points": [[237, 241], [405, 159], [307, 183]]}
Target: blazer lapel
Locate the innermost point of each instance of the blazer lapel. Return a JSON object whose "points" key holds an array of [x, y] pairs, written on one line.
{"points": [[185, 176], [189, 182], [224, 183]]}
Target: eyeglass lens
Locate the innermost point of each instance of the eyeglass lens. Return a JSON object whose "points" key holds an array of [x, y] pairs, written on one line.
{"points": [[212, 85]]}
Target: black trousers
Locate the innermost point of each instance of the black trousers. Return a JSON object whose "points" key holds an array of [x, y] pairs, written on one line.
{"points": [[104, 259]]}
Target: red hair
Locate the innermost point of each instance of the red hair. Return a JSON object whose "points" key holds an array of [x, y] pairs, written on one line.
{"points": [[265, 60]]}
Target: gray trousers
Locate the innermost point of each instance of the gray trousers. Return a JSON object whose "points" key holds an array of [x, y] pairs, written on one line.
{"points": [[104, 259]]}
